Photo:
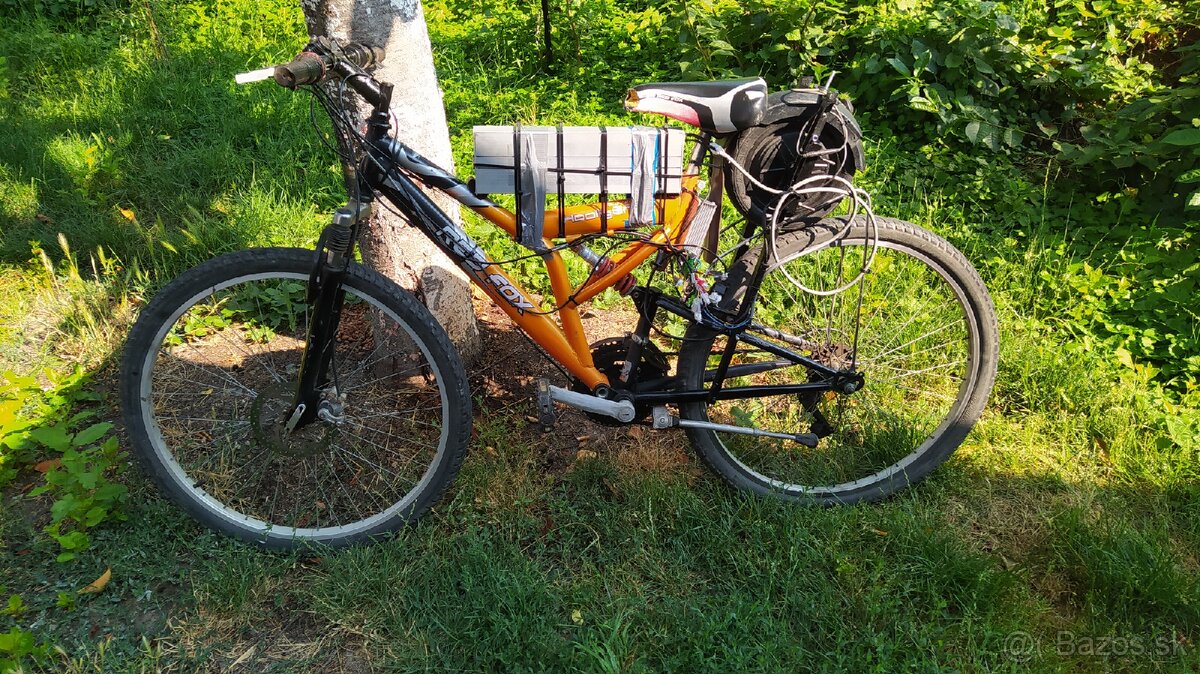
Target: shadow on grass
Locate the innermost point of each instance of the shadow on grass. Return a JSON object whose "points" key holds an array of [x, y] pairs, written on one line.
{"points": [[159, 160], [542, 558]]}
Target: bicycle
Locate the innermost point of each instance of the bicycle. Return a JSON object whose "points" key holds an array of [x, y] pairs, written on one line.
{"points": [[291, 396]]}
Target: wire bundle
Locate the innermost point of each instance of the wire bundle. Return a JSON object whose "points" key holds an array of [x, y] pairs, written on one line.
{"points": [[837, 188]]}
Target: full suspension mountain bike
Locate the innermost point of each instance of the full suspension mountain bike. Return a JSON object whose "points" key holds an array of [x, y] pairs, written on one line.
{"points": [[291, 396]]}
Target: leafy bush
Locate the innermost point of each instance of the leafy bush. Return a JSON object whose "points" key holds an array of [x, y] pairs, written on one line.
{"points": [[36, 422], [56, 9], [18, 647], [1104, 85], [1099, 101]]}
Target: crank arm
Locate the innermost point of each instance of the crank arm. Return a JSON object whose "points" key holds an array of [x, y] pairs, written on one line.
{"points": [[621, 410]]}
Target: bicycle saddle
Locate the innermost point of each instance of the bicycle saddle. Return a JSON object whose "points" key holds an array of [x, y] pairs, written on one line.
{"points": [[716, 107]]}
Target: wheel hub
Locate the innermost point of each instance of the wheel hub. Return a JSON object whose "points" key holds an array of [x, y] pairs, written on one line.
{"points": [[268, 420]]}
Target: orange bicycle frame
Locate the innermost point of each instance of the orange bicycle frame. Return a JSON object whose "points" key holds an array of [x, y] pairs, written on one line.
{"points": [[564, 340]]}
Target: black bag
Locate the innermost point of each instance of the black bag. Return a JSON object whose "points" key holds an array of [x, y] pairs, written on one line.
{"points": [[794, 141]]}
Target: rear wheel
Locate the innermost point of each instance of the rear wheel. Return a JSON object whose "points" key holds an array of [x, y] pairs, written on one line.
{"points": [[926, 346], [208, 381]]}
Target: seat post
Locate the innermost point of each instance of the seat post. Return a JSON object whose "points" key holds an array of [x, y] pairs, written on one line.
{"points": [[699, 151]]}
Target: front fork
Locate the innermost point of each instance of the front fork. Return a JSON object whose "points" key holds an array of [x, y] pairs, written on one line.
{"points": [[335, 252], [325, 296]]}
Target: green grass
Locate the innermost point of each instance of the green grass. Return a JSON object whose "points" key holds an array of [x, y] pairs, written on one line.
{"points": [[1071, 510]]}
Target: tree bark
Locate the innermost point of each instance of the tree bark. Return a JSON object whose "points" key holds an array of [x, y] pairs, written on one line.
{"points": [[391, 245]]}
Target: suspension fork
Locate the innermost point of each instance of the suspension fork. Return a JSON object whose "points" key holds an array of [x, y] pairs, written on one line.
{"points": [[335, 252], [325, 297]]}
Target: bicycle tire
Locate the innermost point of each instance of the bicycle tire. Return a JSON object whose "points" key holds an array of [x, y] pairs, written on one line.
{"points": [[881, 423], [209, 368]]}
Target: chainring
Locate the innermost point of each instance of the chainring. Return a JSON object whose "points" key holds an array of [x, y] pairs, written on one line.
{"points": [[608, 355]]}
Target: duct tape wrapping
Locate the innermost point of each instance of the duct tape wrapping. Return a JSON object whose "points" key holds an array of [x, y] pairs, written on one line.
{"points": [[532, 197], [643, 157], [702, 221]]}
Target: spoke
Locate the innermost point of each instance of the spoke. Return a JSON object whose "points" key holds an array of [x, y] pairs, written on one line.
{"points": [[212, 456], [881, 303], [219, 372], [296, 512], [270, 354], [379, 379], [250, 356], [350, 500], [209, 420], [366, 461], [407, 459], [189, 394], [895, 334], [254, 459], [382, 506], [366, 363], [920, 391], [917, 339], [910, 373], [391, 415], [274, 499], [936, 347]]}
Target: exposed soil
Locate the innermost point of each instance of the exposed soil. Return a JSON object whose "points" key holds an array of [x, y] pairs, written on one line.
{"points": [[503, 382]]}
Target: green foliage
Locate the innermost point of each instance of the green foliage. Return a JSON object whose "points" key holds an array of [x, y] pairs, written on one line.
{"points": [[1142, 308], [263, 309], [24, 406], [17, 646], [36, 422], [55, 9], [85, 494], [1110, 86], [608, 565]]}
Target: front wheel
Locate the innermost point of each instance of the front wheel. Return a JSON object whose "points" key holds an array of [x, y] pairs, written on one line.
{"points": [[208, 382], [923, 336]]}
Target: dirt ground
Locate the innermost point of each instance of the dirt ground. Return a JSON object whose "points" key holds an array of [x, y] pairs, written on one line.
{"points": [[504, 381]]}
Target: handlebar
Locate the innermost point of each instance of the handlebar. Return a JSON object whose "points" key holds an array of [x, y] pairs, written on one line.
{"points": [[311, 67], [307, 68], [323, 56], [315, 62]]}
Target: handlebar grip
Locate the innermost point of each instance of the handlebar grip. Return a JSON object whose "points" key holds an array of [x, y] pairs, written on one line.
{"points": [[307, 68]]}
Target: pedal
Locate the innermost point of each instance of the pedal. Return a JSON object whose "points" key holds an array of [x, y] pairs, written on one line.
{"points": [[545, 405]]}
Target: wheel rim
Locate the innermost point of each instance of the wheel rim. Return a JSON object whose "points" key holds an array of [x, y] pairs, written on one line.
{"points": [[239, 349], [918, 352]]}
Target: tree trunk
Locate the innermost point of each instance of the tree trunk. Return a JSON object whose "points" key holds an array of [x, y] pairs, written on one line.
{"points": [[389, 244]]}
